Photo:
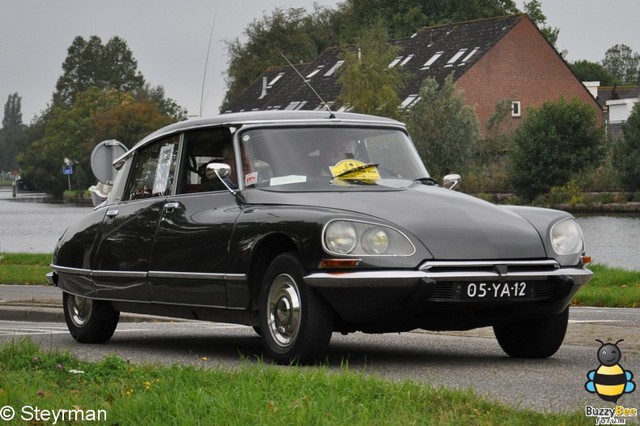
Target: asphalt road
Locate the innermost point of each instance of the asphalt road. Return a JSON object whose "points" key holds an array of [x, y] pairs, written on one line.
{"points": [[459, 360]]}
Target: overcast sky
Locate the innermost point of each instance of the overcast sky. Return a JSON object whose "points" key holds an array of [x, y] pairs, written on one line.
{"points": [[169, 39]]}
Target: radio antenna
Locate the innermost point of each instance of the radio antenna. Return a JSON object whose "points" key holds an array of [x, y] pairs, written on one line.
{"points": [[206, 61], [331, 115]]}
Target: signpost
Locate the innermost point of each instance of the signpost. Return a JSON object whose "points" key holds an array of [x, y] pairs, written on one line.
{"points": [[67, 169]]}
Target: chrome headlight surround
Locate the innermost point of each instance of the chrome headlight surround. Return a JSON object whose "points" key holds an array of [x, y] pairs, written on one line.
{"points": [[358, 238], [566, 237]]}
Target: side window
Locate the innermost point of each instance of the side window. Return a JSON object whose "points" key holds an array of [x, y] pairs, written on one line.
{"points": [[153, 170], [203, 147]]}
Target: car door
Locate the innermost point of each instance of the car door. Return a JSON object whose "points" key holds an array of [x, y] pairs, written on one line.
{"points": [[128, 230], [189, 260]]}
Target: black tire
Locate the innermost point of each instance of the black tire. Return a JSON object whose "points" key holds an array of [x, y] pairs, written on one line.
{"points": [[536, 338], [296, 323], [89, 321]]}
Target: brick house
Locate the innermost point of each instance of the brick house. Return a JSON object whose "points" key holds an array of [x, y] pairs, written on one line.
{"points": [[492, 60]]}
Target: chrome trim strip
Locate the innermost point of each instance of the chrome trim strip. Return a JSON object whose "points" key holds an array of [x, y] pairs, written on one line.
{"points": [[72, 271], [403, 278], [487, 263], [197, 275], [119, 274], [394, 278], [150, 274]]}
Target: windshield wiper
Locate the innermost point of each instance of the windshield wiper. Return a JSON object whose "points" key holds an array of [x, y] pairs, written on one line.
{"points": [[356, 169], [427, 181]]}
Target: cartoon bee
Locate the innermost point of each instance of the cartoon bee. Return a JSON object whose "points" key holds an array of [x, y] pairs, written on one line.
{"points": [[610, 380]]}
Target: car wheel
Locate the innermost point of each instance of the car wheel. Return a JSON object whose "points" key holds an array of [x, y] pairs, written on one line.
{"points": [[536, 338], [89, 321], [296, 323]]}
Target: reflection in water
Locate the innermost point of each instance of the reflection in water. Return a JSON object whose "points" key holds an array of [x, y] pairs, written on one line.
{"points": [[612, 240], [35, 228]]}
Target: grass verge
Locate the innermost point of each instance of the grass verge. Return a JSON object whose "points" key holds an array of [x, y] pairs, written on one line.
{"points": [[610, 287], [124, 393], [24, 268]]}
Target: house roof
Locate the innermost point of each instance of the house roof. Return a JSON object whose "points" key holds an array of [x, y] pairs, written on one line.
{"points": [[431, 52], [607, 93]]}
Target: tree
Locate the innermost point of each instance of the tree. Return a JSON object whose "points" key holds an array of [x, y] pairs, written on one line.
{"points": [[627, 153], [592, 71], [92, 64], [623, 64], [11, 133], [367, 83], [554, 142], [96, 115], [290, 32], [445, 129], [534, 10]]}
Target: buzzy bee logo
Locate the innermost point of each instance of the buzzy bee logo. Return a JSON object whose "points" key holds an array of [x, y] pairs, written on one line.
{"points": [[610, 381]]}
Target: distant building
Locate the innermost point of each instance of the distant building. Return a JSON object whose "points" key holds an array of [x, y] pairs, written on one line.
{"points": [[618, 102], [492, 60]]}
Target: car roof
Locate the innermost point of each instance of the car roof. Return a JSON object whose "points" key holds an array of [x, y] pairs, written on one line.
{"points": [[262, 117]]}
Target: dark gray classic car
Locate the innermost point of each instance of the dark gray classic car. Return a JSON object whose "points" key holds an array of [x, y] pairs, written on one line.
{"points": [[305, 223]]}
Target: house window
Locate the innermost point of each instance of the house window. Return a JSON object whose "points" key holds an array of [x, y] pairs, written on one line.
{"points": [[395, 61], [295, 105], [407, 59], [516, 109], [316, 71], [455, 57], [466, 58], [333, 69], [431, 60], [409, 101], [275, 80]]}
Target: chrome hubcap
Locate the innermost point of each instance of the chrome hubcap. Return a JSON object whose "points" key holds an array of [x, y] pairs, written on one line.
{"points": [[284, 310], [80, 309]]}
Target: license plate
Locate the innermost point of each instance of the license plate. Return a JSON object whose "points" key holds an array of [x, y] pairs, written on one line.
{"points": [[495, 290]]}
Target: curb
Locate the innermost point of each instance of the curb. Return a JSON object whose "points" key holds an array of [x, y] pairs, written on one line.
{"points": [[31, 313]]}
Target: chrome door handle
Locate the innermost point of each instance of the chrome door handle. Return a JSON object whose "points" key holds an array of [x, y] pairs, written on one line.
{"points": [[171, 207], [112, 213]]}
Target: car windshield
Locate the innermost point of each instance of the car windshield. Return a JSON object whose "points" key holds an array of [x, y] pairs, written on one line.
{"points": [[308, 158]]}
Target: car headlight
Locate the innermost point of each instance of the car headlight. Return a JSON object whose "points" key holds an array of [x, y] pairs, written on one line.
{"points": [[365, 239], [340, 237], [566, 237]]}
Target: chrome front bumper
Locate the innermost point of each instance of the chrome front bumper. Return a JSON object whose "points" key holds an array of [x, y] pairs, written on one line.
{"points": [[436, 272]]}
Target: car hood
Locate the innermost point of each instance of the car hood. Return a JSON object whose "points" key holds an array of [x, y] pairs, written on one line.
{"points": [[451, 225]]}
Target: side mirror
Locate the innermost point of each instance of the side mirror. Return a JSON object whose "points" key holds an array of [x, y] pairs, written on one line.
{"points": [[451, 181], [217, 170], [221, 171]]}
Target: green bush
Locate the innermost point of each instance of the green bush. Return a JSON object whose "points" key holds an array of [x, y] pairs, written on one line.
{"points": [[554, 143]]}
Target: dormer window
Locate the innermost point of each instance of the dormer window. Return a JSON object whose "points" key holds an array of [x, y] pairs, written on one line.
{"points": [[466, 58], [316, 71], [407, 59], [455, 57], [275, 80], [431, 60], [409, 100], [395, 61], [333, 69]]}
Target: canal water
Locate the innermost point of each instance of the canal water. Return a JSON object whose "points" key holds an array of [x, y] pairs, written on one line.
{"points": [[34, 227]]}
